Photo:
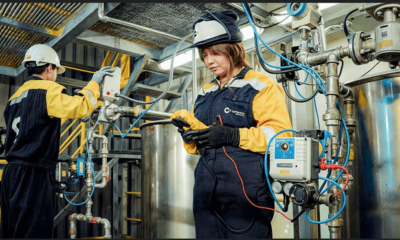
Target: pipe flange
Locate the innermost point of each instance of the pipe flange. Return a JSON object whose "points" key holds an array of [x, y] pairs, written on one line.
{"points": [[351, 123], [355, 46], [379, 12]]}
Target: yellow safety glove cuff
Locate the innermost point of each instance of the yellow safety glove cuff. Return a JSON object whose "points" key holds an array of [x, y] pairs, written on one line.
{"points": [[189, 117]]}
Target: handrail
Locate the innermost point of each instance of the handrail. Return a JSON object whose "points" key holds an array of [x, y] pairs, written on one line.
{"points": [[71, 138], [66, 142], [65, 131]]}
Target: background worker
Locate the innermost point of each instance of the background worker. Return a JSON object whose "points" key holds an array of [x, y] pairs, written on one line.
{"points": [[33, 117], [240, 109]]}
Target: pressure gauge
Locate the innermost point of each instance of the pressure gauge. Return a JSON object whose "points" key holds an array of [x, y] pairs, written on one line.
{"points": [[277, 187], [286, 188]]}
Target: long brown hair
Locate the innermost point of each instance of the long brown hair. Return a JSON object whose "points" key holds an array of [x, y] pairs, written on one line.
{"points": [[234, 52]]}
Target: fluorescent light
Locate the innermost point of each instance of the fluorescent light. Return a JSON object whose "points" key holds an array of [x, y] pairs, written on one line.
{"points": [[179, 59], [187, 56], [249, 33], [321, 6]]}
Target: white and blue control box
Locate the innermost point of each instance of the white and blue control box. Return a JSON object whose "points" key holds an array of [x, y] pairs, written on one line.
{"points": [[294, 159]]}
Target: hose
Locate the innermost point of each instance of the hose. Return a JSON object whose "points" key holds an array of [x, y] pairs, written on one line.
{"points": [[346, 32], [338, 213], [284, 85], [171, 74]]}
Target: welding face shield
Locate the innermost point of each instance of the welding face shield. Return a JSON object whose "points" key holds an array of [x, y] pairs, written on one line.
{"points": [[216, 27]]}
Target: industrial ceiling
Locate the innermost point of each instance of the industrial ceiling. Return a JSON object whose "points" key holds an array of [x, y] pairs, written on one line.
{"points": [[57, 24]]}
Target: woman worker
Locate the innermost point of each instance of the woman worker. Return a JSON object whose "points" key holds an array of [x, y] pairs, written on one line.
{"points": [[238, 112]]}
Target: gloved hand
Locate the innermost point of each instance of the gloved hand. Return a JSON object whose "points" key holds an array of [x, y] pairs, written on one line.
{"points": [[188, 117], [180, 123], [98, 76], [215, 136]]}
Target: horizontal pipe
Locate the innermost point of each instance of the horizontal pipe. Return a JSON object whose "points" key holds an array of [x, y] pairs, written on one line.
{"points": [[77, 69], [133, 193], [133, 219]]}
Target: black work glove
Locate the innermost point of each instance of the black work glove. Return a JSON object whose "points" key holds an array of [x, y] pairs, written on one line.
{"points": [[180, 123], [215, 136]]}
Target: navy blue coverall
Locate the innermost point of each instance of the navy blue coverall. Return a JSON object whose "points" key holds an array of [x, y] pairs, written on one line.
{"points": [[224, 196]]}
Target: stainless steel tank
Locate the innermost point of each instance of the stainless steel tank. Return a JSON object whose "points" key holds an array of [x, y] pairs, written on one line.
{"points": [[374, 207], [167, 183]]}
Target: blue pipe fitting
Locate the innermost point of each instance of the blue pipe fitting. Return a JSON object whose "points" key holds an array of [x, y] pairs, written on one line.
{"points": [[302, 8]]}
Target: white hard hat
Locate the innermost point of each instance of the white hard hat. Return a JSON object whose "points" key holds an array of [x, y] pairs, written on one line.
{"points": [[42, 54]]}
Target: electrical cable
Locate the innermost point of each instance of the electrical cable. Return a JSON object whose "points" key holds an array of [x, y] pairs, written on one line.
{"points": [[341, 68], [316, 112], [325, 166], [315, 104], [346, 32], [263, 65], [219, 217], [266, 164], [271, 13], [133, 124], [169, 80], [338, 213], [285, 88], [72, 183], [370, 69], [241, 180]]}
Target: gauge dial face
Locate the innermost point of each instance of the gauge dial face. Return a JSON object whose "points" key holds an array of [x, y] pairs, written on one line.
{"points": [[277, 187], [286, 188]]}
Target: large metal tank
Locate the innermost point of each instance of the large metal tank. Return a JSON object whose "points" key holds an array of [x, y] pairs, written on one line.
{"points": [[374, 207], [167, 183]]}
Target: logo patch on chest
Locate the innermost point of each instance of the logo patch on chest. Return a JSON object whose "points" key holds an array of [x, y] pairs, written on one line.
{"points": [[237, 113]]}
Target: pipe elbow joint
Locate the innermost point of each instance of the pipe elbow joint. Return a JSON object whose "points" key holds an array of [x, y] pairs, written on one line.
{"points": [[101, 15]]}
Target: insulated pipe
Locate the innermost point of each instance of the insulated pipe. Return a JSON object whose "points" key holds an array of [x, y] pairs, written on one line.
{"points": [[106, 19], [194, 72]]}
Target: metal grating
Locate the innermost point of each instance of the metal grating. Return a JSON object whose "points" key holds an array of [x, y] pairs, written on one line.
{"points": [[14, 43], [172, 18], [45, 15]]}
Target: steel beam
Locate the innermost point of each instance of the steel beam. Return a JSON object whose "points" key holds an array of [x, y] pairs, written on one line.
{"points": [[155, 79], [86, 18], [114, 44], [28, 27], [8, 71]]}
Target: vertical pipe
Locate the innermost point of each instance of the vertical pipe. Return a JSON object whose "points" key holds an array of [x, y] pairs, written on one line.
{"points": [[321, 31], [332, 118], [194, 69]]}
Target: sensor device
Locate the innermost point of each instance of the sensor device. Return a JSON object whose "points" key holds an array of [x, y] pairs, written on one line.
{"points": [[294, 159]]}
